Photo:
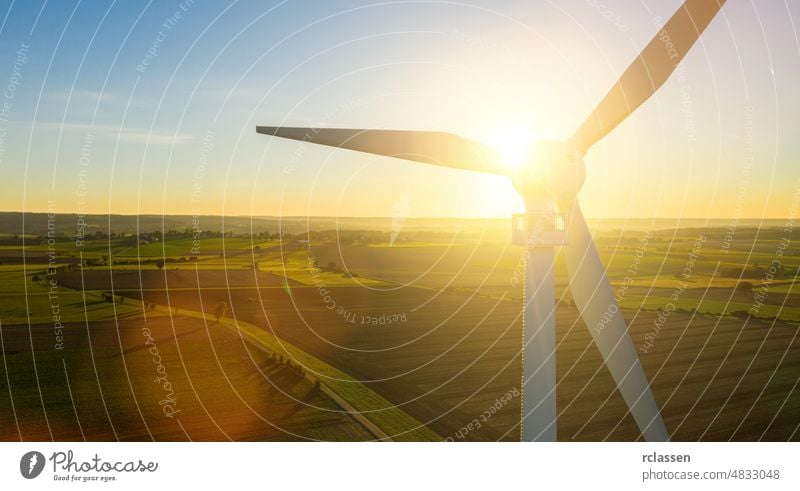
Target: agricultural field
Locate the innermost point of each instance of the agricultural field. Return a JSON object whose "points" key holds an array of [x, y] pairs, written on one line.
{"points": [[419, 335], [68, 323], [448, 360], [167, 378], [28, 297]]}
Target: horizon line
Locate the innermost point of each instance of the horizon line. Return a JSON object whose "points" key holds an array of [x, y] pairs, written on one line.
{"points": [[374, 217]]}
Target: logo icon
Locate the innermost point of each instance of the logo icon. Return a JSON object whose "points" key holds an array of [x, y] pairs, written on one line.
{"points": [[31, 464]]}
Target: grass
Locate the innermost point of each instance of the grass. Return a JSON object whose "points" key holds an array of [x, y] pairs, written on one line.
{"points": [[31, 389], [451, 291], [39, 306], [204, 247], [785, 288], [219, 393], [789, 313], [296, 267], [72, 308], [390, 419], [406, 245]]}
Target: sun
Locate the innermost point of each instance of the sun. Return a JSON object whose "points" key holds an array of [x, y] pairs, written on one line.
{"points": [[513, 143]]}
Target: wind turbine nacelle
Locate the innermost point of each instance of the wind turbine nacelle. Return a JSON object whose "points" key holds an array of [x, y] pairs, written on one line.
{"points": [[554, 171]]}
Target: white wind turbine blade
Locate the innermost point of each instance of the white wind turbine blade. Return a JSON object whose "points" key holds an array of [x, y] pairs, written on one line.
{"points": [[648, 71], [428, 147], [594, 296]]}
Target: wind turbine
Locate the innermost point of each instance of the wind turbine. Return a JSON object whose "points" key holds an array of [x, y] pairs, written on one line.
{"points": [[549, 184]]}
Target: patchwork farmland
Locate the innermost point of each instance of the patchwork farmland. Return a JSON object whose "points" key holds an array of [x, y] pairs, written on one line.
{"points": [[420, 337]]}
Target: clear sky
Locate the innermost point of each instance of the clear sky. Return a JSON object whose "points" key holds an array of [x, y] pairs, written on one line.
{"points": [[151, 107]]}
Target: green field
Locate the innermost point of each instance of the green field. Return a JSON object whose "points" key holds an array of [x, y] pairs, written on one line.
{"points": [[101, 388], [23, 300], [418, 336]]}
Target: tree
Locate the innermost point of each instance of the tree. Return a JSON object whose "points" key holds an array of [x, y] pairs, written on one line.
{"points": [[160, 264]]}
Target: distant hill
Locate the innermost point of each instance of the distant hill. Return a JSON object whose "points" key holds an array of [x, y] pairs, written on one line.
{"points": [[36, 224]]}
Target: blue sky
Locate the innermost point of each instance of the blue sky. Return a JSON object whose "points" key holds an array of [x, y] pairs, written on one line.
{"points": [[96, 124]]}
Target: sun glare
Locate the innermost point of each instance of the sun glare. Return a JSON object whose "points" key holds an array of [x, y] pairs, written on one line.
{"points": [[514, 144]]}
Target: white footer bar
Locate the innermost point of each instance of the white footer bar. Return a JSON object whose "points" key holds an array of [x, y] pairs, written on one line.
{"points": [[401, 466]]}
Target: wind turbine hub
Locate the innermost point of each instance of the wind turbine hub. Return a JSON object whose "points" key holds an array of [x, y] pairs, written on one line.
{"points": [[554, 172]]}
